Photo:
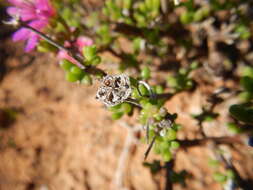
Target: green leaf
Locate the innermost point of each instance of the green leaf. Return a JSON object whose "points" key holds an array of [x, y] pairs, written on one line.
{"points": [[209, 118], [232, 127], [135, 94], [213, 163], [194, 65], [174, 144], [243, 31], [246, 96], [87, 80], [242, 113], [89, 52], [145, 73], [127, 4], [172, 81], [143, 6], [71, 77], [183, 71], [171, 134], [157, 149], [143, 90], [165, 145], [137, 44], [76, 70], [247, 71], [66, 64], [115, 108], [176, 127], [186, 17], [158, 89], [144, 101], [247, 83], [117, 115], [158, 117], [96, 60], [141, 19], [127, 108], [219, 177], [167, 156], [198, 16], [106, 11], [230, 174]]}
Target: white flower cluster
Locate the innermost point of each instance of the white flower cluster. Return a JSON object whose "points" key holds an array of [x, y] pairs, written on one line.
{"points": [[114, 89]]}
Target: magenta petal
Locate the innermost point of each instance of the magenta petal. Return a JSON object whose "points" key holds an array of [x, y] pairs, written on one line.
{"points": [[20, 3], [16, 2], [21, 34], [31, 43], [83, 41], [28, 14], [38, 24], [64, 55], [12, 11], [42, 4]]}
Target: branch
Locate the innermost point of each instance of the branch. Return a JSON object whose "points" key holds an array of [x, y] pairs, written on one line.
{"points": [[79, 58]]}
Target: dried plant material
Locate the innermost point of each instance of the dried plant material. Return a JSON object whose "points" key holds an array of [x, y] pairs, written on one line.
{"points": [[114, 89]]}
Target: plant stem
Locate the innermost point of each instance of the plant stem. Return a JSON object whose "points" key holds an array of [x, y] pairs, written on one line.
{"points": [[77, 57], [149, 148], [133, 102]]}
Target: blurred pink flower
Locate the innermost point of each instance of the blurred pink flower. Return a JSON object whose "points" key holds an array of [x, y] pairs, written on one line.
{"points": [[79, 44], [37, 13]]}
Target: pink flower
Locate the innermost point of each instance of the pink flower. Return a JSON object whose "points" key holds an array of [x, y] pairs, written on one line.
{"points": [[79, 44], [37, 13]]}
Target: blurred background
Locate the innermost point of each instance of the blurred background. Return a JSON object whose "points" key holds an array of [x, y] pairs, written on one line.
{"points": [[55, 135]]}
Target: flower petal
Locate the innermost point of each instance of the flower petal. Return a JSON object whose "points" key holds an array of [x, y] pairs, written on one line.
{"points": [[25, 9], [12, 11], [31, 43], [21, 34], [17, 3], [64, 55], [28, 14], [42, 4], [46, 10], [82, 42], [38, 24]]}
